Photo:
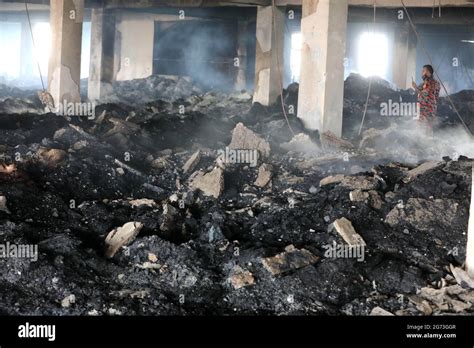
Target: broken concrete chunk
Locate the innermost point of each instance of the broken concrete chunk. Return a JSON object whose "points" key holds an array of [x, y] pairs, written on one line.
{"points": [[61, 133], [3, 204], [68, 301], [466, 296], [245, 139], [345, 229], [143, 201], [79, 145], [149, 265], [7, 168], [332, 179], [211, 184], [364, 183], [379, 311], [460, 306], [448, 299], [173, 198], [376, 201], [422, 305], [152, 257], [121, 236], [192, 162], [372, 196], [263, 202], [424, 214], [122, 127], [437, 297], [292, 179], [463, 279], [301, 143], [265, 173], [390, 196], [289, 260], [329, 141], [358, 196], [241, 278], [161, 163], [422, 169], [51, 157]]}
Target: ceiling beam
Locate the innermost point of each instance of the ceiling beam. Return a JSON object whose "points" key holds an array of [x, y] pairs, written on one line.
{"points": [[452, 15], [389, 3], [180, 3], [12, 5]]}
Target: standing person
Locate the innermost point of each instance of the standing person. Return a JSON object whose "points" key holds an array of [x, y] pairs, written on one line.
{"points": [[428, 94]]}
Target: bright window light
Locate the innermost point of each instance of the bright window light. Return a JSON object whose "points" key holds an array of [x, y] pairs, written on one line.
{"points": [[42, 37], [86, 49], [10, 43], [373, 54], [295, 57]]}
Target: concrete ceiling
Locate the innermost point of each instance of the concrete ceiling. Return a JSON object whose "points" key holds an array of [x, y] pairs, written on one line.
{"points": [[18, 5], [209, 3], [391, 3]]}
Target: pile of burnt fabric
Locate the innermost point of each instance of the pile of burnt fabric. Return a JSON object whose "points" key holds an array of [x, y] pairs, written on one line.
{"points": [[464, 103], [387, 105], [400, 105], [151, 211], [150, 89], [15, 100], [7, 91]]}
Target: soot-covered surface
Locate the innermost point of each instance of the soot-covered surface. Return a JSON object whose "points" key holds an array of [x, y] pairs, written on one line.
{"points": [[251, 250]]}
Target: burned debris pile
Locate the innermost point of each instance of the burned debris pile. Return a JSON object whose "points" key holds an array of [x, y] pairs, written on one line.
{"points": [[15, 100], [152, 88], [151, 210], [384, 97]]}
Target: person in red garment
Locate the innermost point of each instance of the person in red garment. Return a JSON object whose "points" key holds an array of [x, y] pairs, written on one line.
{"points": [[428, 95]]}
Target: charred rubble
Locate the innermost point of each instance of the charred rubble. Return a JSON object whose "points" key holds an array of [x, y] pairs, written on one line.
{"points": [[136, 212]]}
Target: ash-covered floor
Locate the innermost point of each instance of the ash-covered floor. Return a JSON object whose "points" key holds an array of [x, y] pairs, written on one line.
{"points": [[207, 236]]}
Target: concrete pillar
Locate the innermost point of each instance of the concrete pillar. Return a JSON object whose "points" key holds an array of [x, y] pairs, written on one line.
{"points": [[470, 234], [241, 76], [135, 43], [101, 68], [66, 18], [321, 91], [404, 58], [269, 54]]}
